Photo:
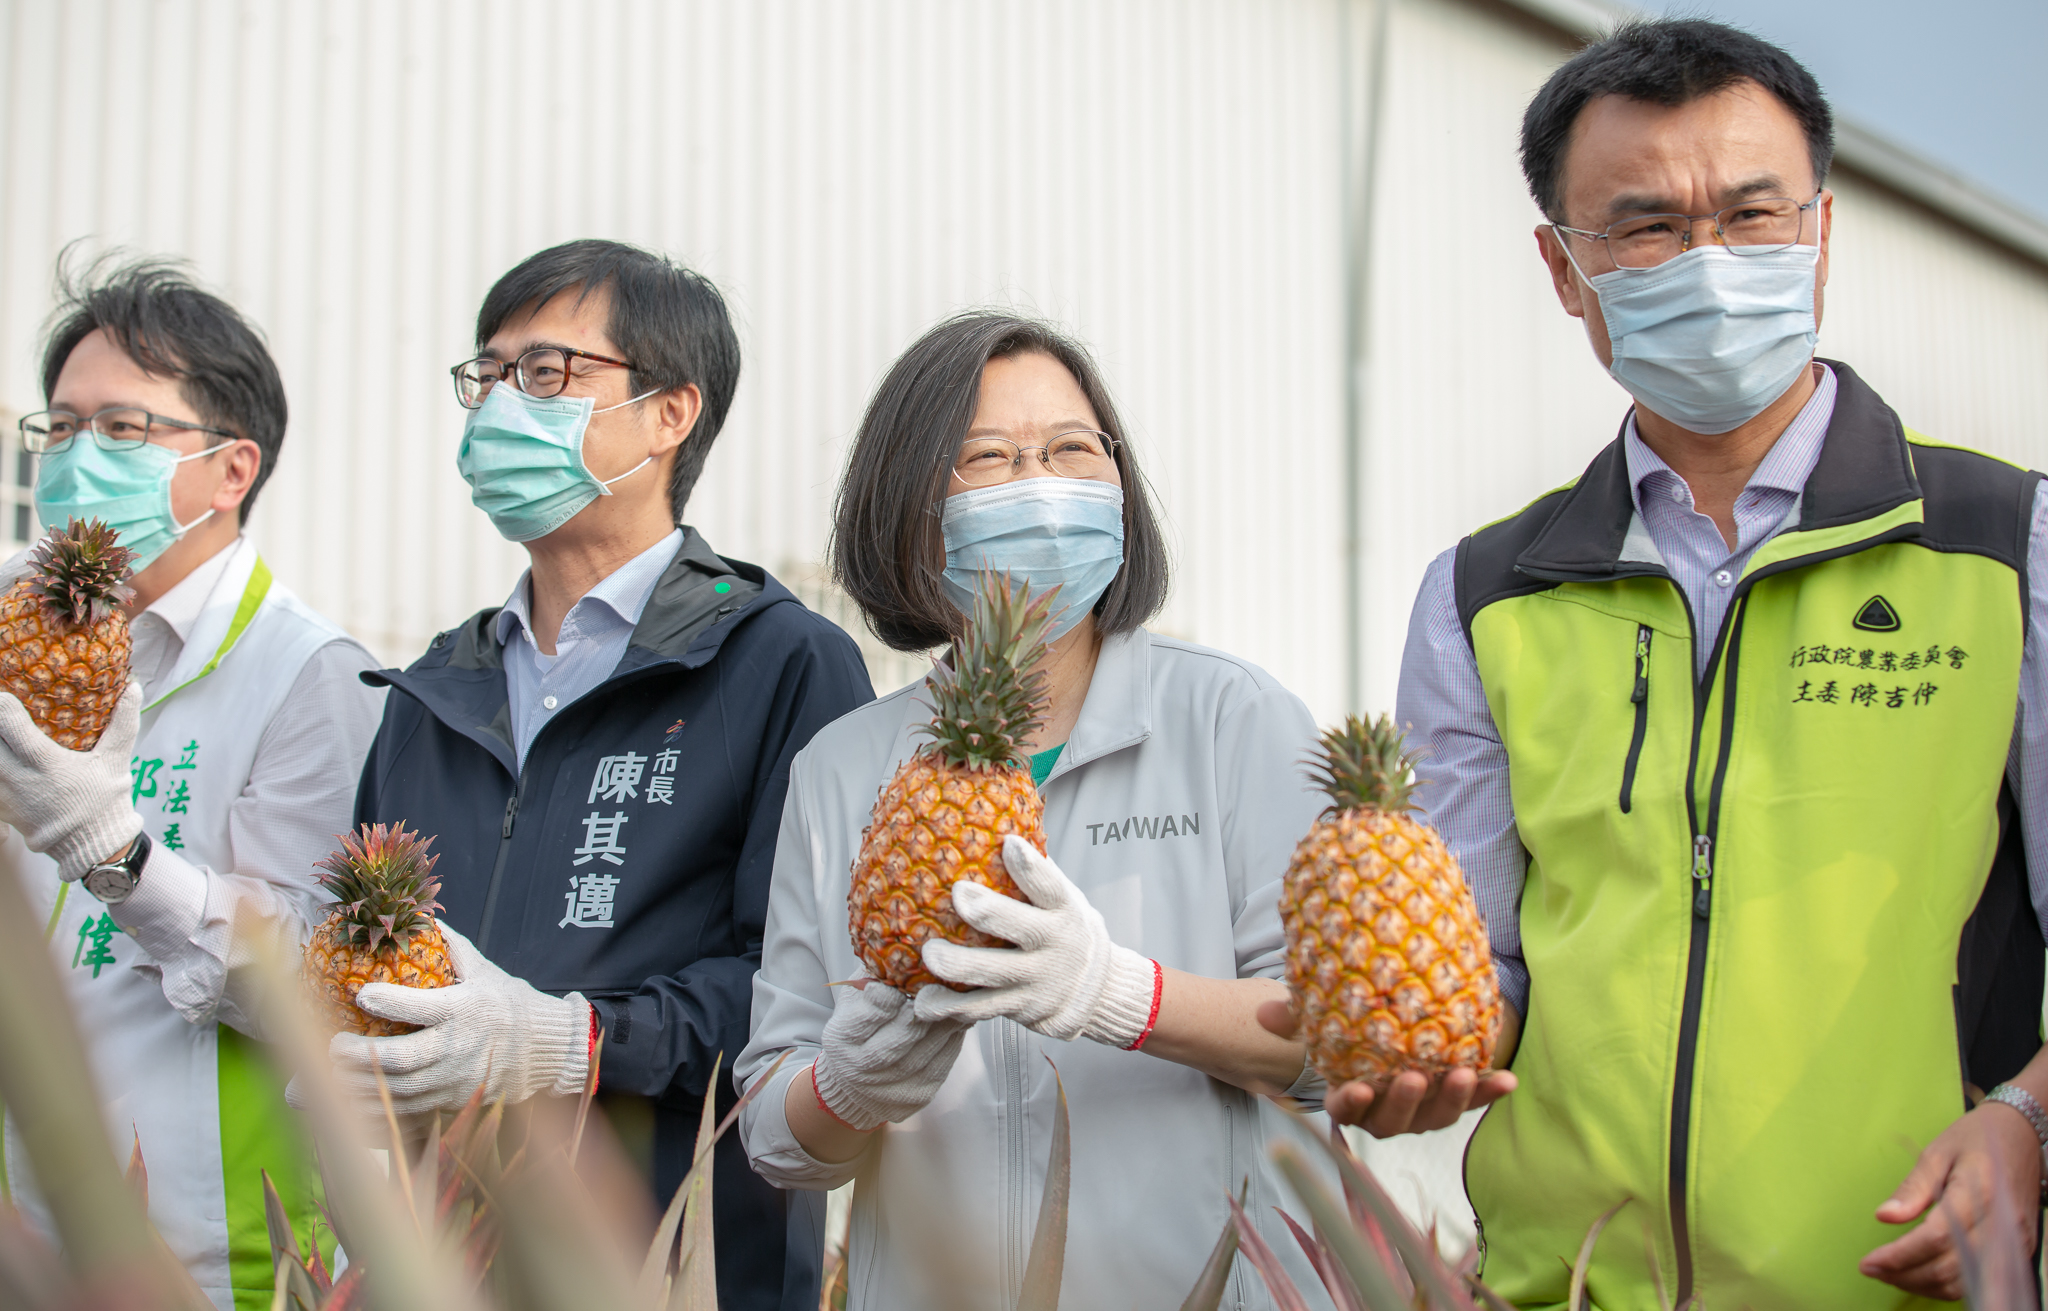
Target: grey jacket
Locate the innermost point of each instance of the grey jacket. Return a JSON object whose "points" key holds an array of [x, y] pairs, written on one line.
{"points": [[1175, 807]]}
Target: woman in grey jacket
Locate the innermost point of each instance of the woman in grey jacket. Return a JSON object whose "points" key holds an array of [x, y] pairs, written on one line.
{"points": [[1174, 794]]}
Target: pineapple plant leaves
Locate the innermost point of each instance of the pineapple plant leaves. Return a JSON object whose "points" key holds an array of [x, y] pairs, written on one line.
{"points": [[696, 1284], [1210, 1285], [1318, 1253], [1576, 1300], [1286, 1296], [1048, 1257]]}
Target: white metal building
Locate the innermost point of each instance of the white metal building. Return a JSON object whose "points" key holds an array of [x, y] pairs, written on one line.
{"points": [[1294, 230]]}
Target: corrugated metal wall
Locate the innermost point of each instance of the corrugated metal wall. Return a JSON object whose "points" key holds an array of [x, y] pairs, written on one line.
{"points": [[1166, 177]]}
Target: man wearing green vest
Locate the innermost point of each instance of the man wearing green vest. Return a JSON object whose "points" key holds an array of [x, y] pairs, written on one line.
{"points": [[1724, 736], [160, 857]]}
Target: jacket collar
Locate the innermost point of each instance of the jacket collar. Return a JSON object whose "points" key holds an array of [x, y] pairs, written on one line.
{"points": [[699, 601], [1865, 469]]}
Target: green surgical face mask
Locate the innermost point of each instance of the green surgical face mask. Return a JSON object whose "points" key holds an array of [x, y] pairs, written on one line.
{"points": [[522, 457], [127, 485]]}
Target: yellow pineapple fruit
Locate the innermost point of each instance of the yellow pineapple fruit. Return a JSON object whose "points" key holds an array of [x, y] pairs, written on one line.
{"points": [[943, 815], [1387, 958], [381, 931], [63, 636]]}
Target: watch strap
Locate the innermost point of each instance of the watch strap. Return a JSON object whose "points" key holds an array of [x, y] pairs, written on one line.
{"points": [[2028, 1105]]}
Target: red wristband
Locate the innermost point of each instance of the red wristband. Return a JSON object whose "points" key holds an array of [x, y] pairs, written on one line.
{"points": [[590, 1052], [1158, 990], [813, 1074]]}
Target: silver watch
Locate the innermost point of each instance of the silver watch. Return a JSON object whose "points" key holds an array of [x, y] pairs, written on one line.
{"points": [[113, 880], [2024, 1102]]}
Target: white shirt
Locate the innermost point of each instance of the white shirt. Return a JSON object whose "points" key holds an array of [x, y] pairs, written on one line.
{"points": [[594, 635], [300, 794]]}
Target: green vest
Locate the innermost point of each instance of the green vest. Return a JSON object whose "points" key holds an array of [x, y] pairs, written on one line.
{"points": [[1747, 893]]}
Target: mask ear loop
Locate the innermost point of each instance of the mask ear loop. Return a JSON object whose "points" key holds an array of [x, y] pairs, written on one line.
{"points": [[1564, 244], [604, 485], [214, 449]]}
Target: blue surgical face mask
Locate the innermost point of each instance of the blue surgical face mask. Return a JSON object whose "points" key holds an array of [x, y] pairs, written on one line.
{"points": [[1711, 338], [1045, 532], [523, 459], [129, 488]]}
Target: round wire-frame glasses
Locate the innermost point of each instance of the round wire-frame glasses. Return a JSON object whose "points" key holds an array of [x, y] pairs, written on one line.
{"points": [[1763, 226], [1076, 453], [540, 373]]}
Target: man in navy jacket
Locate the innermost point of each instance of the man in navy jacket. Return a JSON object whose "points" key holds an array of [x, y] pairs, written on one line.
{"points": [[603, 760]]}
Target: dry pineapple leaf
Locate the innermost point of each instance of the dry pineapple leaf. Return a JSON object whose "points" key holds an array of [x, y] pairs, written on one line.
{"points": [[1048, 1258], [1585, 1262], [696, 1284], [1425, 1265], [283, 1242], [1207, 1294], [589, 1095], [1371, 1275], [1326, 1267], [137, 1174], [1285, 1295], [1995, 1274]]}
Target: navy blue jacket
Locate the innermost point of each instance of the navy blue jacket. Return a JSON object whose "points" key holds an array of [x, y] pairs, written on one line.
{"points": [[630, 860]]}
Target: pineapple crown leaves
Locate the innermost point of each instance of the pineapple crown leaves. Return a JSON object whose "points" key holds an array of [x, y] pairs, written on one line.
{"points": [[1363, 765], [989, 701], [81, 572], [384, 880]]}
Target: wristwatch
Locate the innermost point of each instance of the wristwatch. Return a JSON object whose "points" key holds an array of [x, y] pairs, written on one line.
{"points": [[113, 880], [2023, 1101]]}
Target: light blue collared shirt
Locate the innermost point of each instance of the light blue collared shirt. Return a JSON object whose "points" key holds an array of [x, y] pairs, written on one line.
{"points": [[594, 636]]}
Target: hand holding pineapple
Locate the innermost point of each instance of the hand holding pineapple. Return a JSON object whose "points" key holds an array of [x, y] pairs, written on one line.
{"points": [[1064, 978], [68, 715], [1387, 959], [411, 997], [488, 1030], [880, 1062]]}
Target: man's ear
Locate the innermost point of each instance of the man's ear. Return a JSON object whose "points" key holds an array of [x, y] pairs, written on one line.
{"points": [[240, 461], [1564, 279], [675, 417]]}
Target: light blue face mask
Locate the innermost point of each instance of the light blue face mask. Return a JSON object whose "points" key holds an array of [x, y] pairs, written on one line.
{"points": [[1711, 338], [1045, 532], [128, 488], [522, 457]]}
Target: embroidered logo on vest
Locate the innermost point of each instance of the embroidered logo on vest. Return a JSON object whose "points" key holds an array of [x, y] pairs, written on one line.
{"points": [[1877, 616]]}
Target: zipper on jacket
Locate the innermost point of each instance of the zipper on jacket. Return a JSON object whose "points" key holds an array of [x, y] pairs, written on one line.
{"points": [[1701, 894], [483, 928], [1640, 695]]}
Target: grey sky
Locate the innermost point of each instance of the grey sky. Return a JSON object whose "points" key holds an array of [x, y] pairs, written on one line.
{"points": [[1964, 82]]}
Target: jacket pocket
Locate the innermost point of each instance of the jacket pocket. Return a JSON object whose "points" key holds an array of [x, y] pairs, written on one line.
{"points": [[1639, 693]]}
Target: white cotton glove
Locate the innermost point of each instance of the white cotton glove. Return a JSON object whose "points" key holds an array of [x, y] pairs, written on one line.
{"points": [[879, 1063], [489, 1029], [1064, 978], [73, 806]]}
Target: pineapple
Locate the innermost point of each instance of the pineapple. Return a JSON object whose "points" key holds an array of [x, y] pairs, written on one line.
{"points": [[1387, 958], [382, 931], [63, 636], [943, 815]]}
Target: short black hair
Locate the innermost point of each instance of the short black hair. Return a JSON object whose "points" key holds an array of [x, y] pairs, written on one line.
{"points": [[668, 320], [888, 550], [152, 309], [1666, 61]]}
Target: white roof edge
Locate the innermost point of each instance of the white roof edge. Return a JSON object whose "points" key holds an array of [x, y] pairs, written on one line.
{"points": [[1870, 153]]}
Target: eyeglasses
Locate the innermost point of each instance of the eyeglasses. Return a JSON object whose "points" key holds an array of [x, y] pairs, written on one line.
{"points": [[540, 373], [1079, 453], [1754, 227], [48, 430]]}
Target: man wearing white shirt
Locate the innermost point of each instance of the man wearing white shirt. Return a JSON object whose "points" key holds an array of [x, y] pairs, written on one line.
{"points": [[187, 835]]}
